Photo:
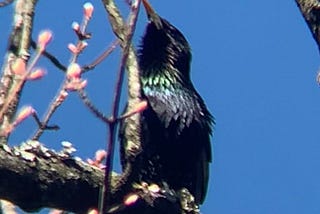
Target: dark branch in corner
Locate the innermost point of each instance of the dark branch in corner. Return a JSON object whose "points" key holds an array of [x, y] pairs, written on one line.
{"points": [[310, 10], [34, 177]]}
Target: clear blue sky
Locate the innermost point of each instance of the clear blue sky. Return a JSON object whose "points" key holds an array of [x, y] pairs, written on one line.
{"points": [[254, 63]]}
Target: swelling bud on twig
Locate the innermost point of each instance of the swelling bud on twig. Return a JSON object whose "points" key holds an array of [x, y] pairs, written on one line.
{"points": [[99, 158], [74, 71], [73, 48], [131, 199], [88, 10], [19, 66], [43, 39], [23, 114], [140, 107], [76, 26], [37, 74]]}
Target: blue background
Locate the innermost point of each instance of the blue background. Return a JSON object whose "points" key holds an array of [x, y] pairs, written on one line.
{"points": [[255, 64]]}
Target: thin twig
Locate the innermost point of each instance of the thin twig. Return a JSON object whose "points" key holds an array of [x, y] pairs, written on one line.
{"points": [[43, 126], [82, 94], [116, 101], [57, 101], [5, 3], [52, 58], [82, 35], [104, 55], [61, 95]]}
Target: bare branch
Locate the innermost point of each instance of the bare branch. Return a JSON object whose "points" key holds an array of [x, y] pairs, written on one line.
{"points": [[35, 177], [83, 96], [310, 10], [19, 44], [126, 44], [52, 58], [56, 102], [104, 55], [133, 128]]}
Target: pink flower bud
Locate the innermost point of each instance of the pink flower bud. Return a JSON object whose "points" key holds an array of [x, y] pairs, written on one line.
{"points": [[140, 106], [23, 114], [83, 84], [74, 71], [76, 26], [88, 10], [131, 199], [44, 38], [19, 66], [73, 48], [101, 155], [37, 74], [83, 45], [137, 109]]}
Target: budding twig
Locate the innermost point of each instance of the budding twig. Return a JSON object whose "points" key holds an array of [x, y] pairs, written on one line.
{"points": [[82, 94], [42, 126], [24, 71], [52, 58]]}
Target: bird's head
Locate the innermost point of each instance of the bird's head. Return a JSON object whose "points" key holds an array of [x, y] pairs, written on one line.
{"points": [[163, 47]]}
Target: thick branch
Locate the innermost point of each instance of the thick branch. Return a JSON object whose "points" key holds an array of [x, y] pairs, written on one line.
{"points": [[33, 178], [310, 10]]}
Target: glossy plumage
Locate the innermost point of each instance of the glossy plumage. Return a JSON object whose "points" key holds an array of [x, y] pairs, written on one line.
{"points": [[176, 126]]}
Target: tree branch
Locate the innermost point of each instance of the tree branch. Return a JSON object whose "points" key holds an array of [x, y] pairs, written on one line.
{"points": [[19, 44], [310, 10], [34, 177], [133, 128]]}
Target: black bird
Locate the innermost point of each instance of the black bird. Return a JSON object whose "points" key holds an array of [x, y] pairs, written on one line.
{"points": [[176, 126]]}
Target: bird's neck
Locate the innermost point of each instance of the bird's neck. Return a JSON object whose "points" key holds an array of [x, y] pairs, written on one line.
{"points": [[163, 77]]}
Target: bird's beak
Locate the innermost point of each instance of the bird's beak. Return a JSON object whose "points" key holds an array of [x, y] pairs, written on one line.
{"points": [[152, 15]]}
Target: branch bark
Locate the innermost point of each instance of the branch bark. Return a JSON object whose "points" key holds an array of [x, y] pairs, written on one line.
{"points": [[34, 177], [134, 88], [18, 47], [310, 10], [133, 128]]}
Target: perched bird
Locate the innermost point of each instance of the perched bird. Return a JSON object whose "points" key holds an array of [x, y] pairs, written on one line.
{"points": [[176, 126]]}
